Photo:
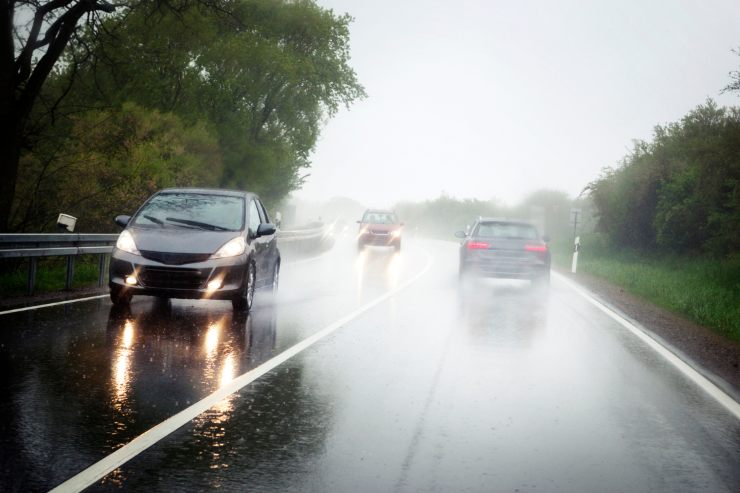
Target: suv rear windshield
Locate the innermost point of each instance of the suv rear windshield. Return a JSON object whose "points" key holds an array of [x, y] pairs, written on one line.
{"points": [[190, 210], [380, 218], [506, 230]]}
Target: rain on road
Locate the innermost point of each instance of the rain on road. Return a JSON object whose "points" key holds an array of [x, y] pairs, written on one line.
{"points": [[436, 387]]}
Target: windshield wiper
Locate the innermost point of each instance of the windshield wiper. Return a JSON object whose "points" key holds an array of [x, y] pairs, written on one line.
{"points": [[153, 219], [197, 224]]}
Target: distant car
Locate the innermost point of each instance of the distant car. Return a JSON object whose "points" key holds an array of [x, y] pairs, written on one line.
{"points": [[196, 243], [381, 228], [504, 249]]}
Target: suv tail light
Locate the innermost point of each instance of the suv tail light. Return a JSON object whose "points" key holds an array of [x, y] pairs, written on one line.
{"points": [[535, 248], [478, 245]]}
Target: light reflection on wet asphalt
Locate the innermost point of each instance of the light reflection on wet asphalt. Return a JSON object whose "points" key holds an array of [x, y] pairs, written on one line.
{"points": [[488, 387]]}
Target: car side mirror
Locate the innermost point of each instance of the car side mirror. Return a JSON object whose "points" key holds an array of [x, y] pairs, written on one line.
{"points": [[545, 238], [359, 222], [266, 229], [403, 224], [122, 220], [460, 234]]}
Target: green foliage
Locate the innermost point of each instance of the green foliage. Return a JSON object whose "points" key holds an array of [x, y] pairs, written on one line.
{"points": [[705, 290], [112, 161], [679, 192], [264, 77], [229, 93]]}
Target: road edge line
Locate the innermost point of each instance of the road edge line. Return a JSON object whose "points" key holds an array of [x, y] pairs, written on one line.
{"points": [[46, 305], [709, 387], [103, 467]]}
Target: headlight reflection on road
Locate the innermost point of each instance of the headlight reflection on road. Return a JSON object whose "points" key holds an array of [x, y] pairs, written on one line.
{"points": [[393, 270], [122, 366], [360, 264]]}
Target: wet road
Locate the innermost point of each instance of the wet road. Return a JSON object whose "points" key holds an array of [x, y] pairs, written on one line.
{"points": [[426, 386]]}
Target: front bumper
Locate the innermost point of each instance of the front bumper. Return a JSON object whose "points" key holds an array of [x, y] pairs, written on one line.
{"points": [[379, 239], [178, 281], [505, 270]]}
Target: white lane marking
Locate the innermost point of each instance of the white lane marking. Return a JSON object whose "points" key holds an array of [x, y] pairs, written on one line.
{"points": [[100, 469], [46, 305], [703, 382]]}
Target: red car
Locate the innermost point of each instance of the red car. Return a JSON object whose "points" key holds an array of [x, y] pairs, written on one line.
{"points": [[381, 228]]}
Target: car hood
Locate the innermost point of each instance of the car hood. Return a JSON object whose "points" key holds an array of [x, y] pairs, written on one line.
{"points": [[180, 240]]}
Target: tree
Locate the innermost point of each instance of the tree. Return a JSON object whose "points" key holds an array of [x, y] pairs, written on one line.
{"points": [[113, 161], [266, 77], [734, 85], [28, 53], [35, 37]]}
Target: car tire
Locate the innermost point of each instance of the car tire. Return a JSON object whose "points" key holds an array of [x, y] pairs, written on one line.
{"points": [[360, 246], [243, 301], [121, 297], [397, 246]]}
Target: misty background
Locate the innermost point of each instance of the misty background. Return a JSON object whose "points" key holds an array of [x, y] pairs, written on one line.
{"points": [[494, 100]]}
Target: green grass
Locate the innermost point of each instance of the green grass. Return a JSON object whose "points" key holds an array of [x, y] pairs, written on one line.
{"points": [[50, 275], [704, 290]]}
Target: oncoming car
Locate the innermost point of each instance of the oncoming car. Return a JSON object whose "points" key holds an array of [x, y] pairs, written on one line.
{"points": [[196, 243], [504, 249], [380, 228]]}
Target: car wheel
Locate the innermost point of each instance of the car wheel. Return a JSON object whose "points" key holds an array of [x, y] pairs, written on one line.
{"points": [[243, 302], [120, 296], [360, 246], [397, 246]]}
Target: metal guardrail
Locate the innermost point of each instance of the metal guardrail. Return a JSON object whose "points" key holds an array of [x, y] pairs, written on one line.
{"points": [[35, 245]]}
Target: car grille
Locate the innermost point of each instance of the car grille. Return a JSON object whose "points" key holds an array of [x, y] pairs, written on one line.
{"points": [[175, 258], [157, 277], [380, 232]]}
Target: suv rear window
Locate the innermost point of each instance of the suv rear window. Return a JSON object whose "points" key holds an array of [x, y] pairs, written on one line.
{"points": [[506, 230]]}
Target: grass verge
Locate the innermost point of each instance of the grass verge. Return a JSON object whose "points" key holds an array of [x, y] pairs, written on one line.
{"points": [[50, 275], [705, 290]]}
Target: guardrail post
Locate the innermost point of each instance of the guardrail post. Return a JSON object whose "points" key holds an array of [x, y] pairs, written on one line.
{"points": [[101, 269], [31, 285], [70, 272]]}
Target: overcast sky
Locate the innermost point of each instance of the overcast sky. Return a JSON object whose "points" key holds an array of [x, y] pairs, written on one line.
{"points": [[494, 99]]}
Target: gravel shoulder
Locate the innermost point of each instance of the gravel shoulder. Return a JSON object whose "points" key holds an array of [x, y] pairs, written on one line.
{"points": [[712, 354]]}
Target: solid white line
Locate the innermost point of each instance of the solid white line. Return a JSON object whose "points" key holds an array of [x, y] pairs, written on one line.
{"points": [[127, 452], [703, 382], [46, 305]]}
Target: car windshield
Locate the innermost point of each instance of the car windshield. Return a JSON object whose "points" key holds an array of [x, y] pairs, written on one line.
{"points": [[507, 230], [379, 218], [190, 210]]}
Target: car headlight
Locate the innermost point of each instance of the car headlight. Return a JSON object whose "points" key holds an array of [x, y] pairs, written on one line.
{"points": [[231, 248], [126, 242], [396, 233]]}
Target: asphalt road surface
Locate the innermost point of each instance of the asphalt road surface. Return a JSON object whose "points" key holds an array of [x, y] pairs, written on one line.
{"points": [[397, 379]]}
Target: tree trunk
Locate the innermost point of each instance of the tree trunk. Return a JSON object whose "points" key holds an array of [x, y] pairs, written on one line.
{"points": [[10, 147]]}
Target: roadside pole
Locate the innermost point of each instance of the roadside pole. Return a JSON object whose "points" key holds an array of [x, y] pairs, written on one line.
{"points": [[574, 212], [577, 247]]}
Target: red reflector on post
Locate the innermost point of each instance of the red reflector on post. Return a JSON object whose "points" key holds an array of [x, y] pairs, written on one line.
{"points": [[478, 245], [535, 248]]}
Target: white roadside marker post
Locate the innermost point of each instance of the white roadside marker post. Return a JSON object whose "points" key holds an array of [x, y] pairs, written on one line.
{"points": [[574, 265]]}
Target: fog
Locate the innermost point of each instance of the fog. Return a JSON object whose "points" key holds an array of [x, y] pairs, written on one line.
{"points": [[493, 99]]}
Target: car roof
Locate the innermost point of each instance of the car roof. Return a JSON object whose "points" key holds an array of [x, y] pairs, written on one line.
{"points": [[501, 220], [208, 191], [379, 211]]}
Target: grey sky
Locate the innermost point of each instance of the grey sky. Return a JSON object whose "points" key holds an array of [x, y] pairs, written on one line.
{"points": [[498, 98]]}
